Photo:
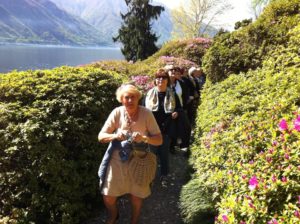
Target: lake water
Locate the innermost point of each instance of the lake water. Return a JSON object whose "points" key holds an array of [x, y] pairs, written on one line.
{"points": [[24, 57]]}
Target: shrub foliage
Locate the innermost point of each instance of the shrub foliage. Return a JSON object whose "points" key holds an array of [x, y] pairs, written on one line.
{"points": [[189, 49], [247, 48], [48, 142], [243, 150]]}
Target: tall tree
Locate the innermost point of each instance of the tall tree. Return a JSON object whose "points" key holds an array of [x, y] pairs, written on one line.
{"points": [[135, 33], [196, 16]]}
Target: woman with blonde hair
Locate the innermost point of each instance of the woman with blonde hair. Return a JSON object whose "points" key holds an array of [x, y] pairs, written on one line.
{"points": [[137, 123]]}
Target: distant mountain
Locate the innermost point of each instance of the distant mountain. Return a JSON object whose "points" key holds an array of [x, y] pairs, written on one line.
{"points": [[41, 21], [105, 16]]}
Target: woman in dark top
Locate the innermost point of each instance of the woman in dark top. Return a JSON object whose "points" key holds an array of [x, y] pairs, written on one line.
{"points": [[161, 101], [182, 129]]}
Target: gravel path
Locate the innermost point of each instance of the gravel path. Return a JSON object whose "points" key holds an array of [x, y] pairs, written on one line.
{"points": [[162, 207]]}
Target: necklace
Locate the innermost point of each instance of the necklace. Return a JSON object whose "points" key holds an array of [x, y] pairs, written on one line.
{"points": [[130, 119]]}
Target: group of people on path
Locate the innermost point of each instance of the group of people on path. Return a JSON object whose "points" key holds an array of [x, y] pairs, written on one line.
{"points": [[137, 132]]}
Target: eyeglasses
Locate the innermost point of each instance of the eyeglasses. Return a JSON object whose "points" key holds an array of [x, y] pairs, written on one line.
{"points": [[161, 77]]}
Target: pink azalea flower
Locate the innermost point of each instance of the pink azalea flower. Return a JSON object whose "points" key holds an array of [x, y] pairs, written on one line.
{"points": [[269, 159], [225, 218], [253, 183], [297, 213], [274, 143], [261, 153], [282, 138], [273, 221], [286, 156], [284, 179], [248, 197], [242, 222], [283, 126], [251, 205], [274, 178], [297, 123]]}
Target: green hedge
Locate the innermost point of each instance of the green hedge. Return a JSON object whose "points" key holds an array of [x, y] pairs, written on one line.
{"points": [[49, 153], [238, 141], [196, 203], [246, 48]]}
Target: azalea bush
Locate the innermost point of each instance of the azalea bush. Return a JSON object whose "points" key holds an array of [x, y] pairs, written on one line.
{"points": [[122, 67], [189, 49], [143, 82], [266, 189], [247, 48], [49, 153], [246, 148], [180, 62]]}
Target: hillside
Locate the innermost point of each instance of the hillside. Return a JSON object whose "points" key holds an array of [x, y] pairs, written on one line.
{"points": [[105, 16], [41, 21], [69, 22]]}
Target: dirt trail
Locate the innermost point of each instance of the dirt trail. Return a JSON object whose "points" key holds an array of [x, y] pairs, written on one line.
{"points": [[162, 207]]}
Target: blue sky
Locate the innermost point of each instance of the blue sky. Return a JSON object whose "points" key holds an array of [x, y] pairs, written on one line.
{"points": [[241, 10]]}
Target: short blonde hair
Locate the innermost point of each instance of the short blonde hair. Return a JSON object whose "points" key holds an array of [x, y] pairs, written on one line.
{"points": [[127, 88]]}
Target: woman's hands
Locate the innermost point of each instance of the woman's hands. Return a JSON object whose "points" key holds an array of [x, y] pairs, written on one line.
{"points": [[137, 137], [108, 137], [120, 136], [174, 115], [153, 140]]}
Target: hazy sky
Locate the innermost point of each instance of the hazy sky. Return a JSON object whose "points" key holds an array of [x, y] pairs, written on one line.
{"points": [[241, 10]]}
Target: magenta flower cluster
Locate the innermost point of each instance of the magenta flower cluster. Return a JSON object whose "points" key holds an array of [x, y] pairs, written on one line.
{"points": [[225, 218], [297, 123], [283, 125], [140, 79], [273, 221], [297, 214], [253, 183], [143, 82], [204, 42], [176, 61]]}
